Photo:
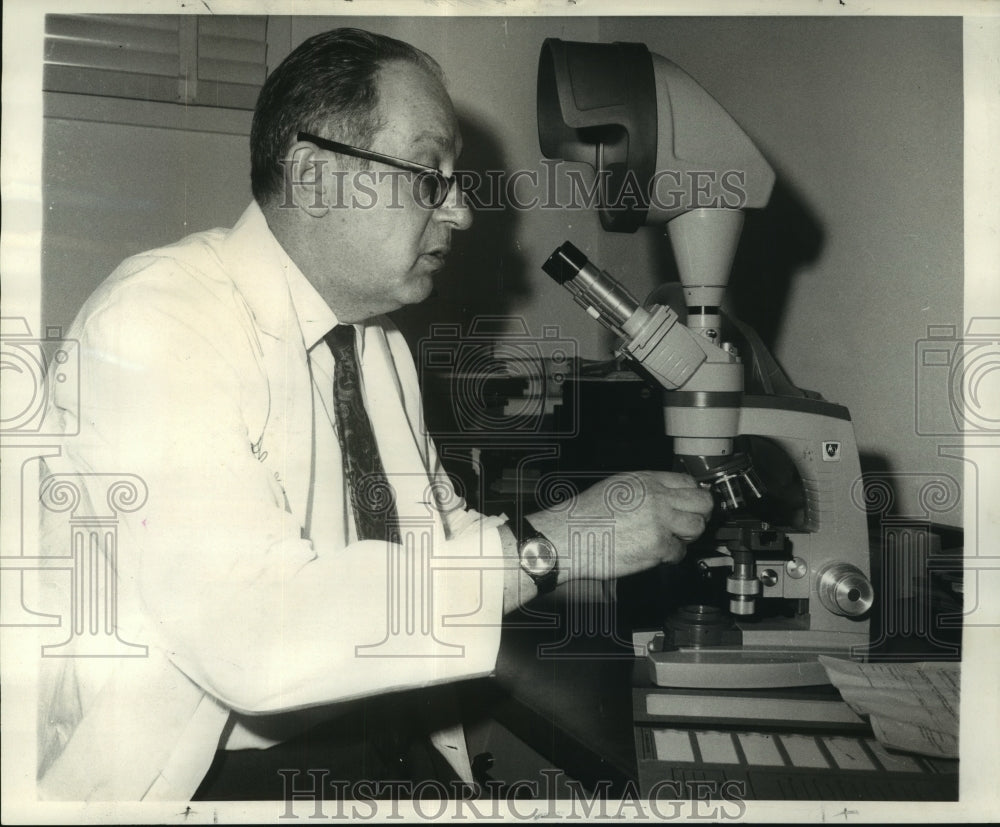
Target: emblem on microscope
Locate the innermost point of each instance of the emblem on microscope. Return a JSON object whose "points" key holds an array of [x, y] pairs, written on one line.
{"points": [[831, 452]]}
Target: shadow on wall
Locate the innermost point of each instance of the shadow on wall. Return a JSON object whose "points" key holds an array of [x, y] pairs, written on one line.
{"points": [[922, 590], [485, 274], [777, 242], [880, 493]]}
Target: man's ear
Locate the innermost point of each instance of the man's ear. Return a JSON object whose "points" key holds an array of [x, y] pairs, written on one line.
{"points": [[309, 180]]}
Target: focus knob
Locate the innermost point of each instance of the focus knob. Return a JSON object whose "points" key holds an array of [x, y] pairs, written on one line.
{"points": [[845, 590]]}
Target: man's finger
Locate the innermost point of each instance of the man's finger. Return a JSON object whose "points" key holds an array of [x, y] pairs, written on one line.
{"points": [[670, 479], [696, 500], [687, 526]]}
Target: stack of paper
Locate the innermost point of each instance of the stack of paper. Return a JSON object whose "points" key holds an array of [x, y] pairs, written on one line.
{"points": [[912, 706]]}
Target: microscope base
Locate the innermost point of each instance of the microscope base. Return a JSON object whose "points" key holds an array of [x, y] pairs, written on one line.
{"points": [[736, 668], [766, 658]]}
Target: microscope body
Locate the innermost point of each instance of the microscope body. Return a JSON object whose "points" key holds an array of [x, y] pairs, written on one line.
{"points": [[640, 120], [793, 593], [817, 570]]}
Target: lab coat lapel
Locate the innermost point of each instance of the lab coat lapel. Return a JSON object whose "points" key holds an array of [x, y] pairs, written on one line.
{"points": [[287, 438], [284, 441]]}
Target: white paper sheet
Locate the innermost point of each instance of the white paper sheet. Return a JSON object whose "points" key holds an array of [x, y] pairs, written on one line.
{"points": [[912, 706]]}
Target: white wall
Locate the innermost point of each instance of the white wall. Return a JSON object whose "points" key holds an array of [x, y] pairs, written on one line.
{"points": [[859, 251], [862, 247], [114, 189]]}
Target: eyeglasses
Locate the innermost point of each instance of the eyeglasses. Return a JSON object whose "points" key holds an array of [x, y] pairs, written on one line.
{"points": [[431, 186]]}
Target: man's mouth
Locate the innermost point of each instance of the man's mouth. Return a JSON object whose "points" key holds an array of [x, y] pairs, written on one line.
{"points": [[439, 254]]}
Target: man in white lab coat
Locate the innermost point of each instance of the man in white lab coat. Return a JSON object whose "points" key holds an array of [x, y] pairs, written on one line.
{"points": [[240, 575]]}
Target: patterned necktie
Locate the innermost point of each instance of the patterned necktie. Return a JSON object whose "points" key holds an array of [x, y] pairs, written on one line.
{"points": [[395, 724], [372, 497]]}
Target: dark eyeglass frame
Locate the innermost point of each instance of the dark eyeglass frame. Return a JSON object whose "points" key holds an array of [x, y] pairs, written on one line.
{"points": [[443, 183]]}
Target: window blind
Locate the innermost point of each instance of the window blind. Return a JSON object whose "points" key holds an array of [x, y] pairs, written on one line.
{"points": [[218, 61]]}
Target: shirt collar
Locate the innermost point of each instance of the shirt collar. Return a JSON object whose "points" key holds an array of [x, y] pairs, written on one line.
{"points": [[316, 319], [314, 316]]}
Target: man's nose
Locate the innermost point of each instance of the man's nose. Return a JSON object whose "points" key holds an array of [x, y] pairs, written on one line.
{"points": [[455, 210]]}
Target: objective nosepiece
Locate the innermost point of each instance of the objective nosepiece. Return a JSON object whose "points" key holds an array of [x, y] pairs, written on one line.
{"points": [[732, 479], [735, 490]]}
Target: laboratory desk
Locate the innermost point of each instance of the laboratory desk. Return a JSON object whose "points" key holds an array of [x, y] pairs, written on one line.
{"points": [[568, 700], [564, 704]]}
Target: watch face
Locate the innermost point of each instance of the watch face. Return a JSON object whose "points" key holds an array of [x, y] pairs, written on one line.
{"points": [[538, 557]]}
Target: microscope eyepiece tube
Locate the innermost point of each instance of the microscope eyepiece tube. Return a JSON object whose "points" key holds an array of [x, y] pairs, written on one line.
{"points": [[565, 263], [653, 336], [603, 296]]}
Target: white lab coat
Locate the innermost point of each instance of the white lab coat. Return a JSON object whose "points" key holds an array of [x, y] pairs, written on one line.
{"points": [[195, 379]]}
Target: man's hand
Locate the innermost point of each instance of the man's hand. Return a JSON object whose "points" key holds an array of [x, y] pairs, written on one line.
{"points": [[655, 514]]}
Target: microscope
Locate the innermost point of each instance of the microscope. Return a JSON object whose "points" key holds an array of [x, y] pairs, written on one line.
{"points": [[771, 598]]}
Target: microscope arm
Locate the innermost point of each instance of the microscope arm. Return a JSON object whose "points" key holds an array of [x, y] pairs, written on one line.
{"points": [[819, 439]]}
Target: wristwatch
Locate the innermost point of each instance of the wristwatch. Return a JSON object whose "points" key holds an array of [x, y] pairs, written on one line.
{"points": [[537, 554]]}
